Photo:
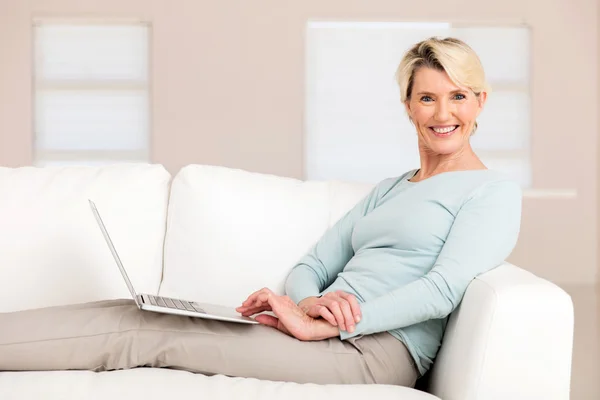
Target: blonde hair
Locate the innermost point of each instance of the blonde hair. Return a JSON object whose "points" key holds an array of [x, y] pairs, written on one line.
{"points": [[450, 55]]}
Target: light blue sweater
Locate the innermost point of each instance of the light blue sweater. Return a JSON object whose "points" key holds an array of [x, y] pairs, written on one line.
{"points": [[409, 250]]}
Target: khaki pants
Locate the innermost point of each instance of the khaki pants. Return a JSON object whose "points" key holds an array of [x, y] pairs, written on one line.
{"points": [[110, 335]]}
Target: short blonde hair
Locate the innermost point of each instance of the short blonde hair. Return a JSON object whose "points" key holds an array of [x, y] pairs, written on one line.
{"points": [[450, 55]]}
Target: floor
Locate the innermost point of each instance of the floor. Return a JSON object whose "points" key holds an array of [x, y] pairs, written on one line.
{"points": [[585, 381]]}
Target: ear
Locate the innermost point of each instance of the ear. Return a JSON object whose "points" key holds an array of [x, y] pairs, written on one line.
{"points": [[481, 99], [408, 110]]}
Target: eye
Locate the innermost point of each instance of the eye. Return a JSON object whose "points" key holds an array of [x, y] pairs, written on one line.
{"points": [[426, 98], [459, 96]]}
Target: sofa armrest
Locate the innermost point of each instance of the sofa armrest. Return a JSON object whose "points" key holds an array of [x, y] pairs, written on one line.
{"points": [[510, 338]]}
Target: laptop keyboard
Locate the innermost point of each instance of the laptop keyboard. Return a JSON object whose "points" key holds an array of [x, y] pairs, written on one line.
{"points": [[174, 304]]}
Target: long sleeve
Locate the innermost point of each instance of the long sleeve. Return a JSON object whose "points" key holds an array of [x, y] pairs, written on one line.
{"points": [[483, 235], [327, 258]]}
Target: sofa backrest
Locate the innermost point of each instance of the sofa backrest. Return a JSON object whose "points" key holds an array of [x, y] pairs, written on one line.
{"points": [[231, 232], [52, 251]]}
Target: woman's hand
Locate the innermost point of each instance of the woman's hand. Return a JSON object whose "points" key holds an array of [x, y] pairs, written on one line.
{"points": [[289, 318], [338, 308], [255, 303]]}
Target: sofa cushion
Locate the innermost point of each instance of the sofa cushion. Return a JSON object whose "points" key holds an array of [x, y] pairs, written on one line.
{"points": [[231, 232], [161, 384], [343, 196], [52, 251]]}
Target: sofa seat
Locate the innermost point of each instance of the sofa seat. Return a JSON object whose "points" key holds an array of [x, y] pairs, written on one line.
{"points": [[164, 384]]}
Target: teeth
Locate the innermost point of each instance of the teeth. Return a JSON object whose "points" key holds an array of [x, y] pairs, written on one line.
{"points": [[445, 130]]}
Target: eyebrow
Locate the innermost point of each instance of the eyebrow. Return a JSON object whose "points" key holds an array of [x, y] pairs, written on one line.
{"points": [[452, 92]]}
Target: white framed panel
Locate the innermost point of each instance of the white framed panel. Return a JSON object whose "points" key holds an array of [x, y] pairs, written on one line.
{"points": [[504, 122], [66, 52], [92, 92], [503, 50], [83, 120], [356, 129]]}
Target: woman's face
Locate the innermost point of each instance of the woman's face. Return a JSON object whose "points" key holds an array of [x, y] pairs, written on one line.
{"points": [[443, 113]]}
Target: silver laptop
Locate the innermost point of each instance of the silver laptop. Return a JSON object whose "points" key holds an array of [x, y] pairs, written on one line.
{"points": [[167, 305]]}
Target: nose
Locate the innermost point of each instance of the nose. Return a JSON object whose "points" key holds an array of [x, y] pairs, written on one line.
{"points": [[442, 111]]}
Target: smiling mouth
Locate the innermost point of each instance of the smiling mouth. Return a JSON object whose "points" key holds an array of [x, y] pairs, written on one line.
{"points": [[443, 131]]}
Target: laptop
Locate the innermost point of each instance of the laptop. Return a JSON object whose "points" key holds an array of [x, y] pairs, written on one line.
{"points": [[168, 305]]}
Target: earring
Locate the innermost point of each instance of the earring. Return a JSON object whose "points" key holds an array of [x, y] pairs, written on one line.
{"points": [[474, 129]]}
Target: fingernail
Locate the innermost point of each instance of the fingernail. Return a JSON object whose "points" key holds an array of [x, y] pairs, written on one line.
{"points": [[357, 318], [351, 329]]}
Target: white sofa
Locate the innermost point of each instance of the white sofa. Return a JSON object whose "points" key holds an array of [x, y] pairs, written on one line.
{"points": [[214, 234]]}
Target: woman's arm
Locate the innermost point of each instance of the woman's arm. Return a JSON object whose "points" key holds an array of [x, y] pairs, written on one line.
{"points": [[327, 258], [483, 235]]}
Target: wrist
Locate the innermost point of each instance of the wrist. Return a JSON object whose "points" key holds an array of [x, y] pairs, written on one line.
{"points": [[321, 330]]}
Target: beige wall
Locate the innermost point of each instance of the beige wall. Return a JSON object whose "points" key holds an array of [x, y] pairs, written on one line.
{"points": [[228, 90]]}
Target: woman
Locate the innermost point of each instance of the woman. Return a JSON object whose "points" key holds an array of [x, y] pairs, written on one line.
{"points": [[369, 302], [397, 264]]}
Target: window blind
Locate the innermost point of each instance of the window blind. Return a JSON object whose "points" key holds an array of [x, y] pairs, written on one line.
{"points": [[91, 83]]}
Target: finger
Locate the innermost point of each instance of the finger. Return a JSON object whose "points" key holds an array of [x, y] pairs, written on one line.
{"points": [[243, 308], [266, 319], [354, 306], [312, 311], [326, 314], [261, 299], [335, 309], [255, 310], [256, 303], [252, 298], [347, 312]]}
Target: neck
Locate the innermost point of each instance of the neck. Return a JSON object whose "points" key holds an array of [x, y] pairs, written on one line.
{"points": [[433, 164]]}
